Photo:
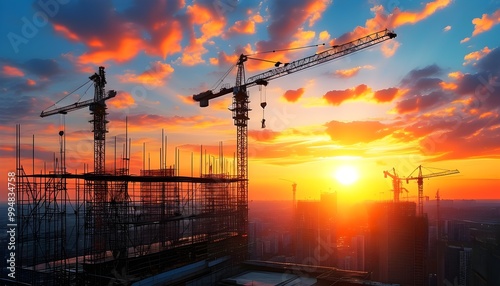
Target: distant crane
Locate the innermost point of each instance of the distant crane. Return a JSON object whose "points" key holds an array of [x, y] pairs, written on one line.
{"points": [[294, 190], [397, 185], [420, 181], [240, 106]]}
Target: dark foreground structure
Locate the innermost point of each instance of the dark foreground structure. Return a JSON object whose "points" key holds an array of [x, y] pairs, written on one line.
{"points": [[120, 229]]}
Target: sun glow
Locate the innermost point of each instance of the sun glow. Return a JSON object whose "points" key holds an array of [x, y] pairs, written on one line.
{"points": [[346, 175]]}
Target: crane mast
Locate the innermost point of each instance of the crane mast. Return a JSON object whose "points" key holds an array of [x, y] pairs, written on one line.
{"points": [[98, 110], [240, 111], [240, 105]]}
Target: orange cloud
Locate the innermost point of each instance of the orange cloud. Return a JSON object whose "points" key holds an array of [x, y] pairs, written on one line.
{"points": [[125, 49], [302, 38], [485, 23], [224, 59], [12, 71], [397, 18], [171, 42], [242, 27], [222, 104], [293, 95], [477, 55], [245, 26], [386, 95], [138, 122], [30, 82], [122, 38], [448, 85], [402, 18], [456, 75], [348, 72], [363, 92], [257, 18], [61, 29], [211, 25], [187, 99], [95, 43], [389, 48], [351, 72], [122, 100], [315, 9], [324, 36], [213, 61], [337, 97], [154, 76], [263, 135], [193, 54], [366, 131]]}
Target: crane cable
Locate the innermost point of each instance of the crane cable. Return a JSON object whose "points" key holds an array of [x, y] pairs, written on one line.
{"points": [[68, 95], [218, 83], [288, 49], [263, 102], [84, 93], [280, 50]]}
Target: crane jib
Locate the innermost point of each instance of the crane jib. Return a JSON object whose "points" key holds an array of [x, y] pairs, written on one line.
{"points": [[334, 52]]}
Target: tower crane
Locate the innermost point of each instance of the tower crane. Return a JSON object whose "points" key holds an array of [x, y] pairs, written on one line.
{"points": [[294, 191], [240, 104], [397, 184], [97, 106], [419, 177], [98, 194]]}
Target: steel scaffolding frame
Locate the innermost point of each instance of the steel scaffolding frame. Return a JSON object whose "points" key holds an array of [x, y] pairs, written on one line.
{"points": [[89, 228]]}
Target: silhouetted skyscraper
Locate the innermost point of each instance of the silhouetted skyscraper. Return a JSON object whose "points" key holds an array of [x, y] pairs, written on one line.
{"points": [[315, 226], [396, 244]]}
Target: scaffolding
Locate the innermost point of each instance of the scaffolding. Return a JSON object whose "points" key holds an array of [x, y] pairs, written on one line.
{"points": [[114, 228]]}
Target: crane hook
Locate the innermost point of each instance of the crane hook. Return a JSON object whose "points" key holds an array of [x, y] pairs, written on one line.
{"points": [[263, 104]]}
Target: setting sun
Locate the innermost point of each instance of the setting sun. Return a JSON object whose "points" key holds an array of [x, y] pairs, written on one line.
{"points": [[346, 175]]}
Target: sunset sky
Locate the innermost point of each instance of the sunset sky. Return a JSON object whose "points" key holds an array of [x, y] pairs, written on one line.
{"points": [[429, 97]]}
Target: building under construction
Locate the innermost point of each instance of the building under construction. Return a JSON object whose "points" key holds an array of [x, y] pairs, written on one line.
{"points": [[108, 227], [119, 229]]}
